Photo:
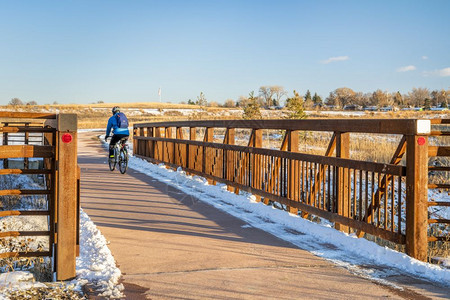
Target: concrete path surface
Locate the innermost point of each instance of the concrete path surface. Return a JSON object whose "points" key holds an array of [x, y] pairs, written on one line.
{"points": [[169, 245]]}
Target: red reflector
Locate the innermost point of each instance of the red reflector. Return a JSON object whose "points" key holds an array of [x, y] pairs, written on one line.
{"points": [[421, 141], [66, 138]]}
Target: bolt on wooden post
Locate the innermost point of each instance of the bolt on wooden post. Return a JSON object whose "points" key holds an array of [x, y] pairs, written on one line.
{"points": [[66, 200]]}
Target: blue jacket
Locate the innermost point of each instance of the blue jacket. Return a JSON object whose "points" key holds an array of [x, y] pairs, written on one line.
{"points": [[112, 123]]}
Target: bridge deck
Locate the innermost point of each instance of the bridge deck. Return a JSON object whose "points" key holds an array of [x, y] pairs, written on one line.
{"points": [[171, 245]]}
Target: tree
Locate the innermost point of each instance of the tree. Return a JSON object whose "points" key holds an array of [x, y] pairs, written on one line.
{"points": [[317, 100], [229, 103], [341, 97], [15, 101], [440, 98], [417, 96], [32, 103], [381, 99], [278, 92], [252, 108], [308, 96], [295, 107], [190, 102], [398, 99], [201, 100], [266, 93], [427, 104]]}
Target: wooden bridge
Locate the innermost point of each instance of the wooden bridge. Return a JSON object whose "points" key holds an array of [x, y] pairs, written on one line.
{"points": [[171, 245]]}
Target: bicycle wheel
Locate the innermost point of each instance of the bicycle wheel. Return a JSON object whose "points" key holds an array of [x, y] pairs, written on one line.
{"points": [[113, 161], [123, 161]]}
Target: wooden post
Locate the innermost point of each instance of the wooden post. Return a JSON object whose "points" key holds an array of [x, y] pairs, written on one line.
{"points": [[342, 179], [66, 196], [417, 196], [150, 144], [135, 141], [5, 142], [180, 157], [256, 141], [293, 185], [169, 148], [230, 138], [206, 160], [191, 150]]}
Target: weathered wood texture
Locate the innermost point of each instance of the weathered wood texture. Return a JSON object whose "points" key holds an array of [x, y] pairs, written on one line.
{"points": [[356, 195], [60, 173]]}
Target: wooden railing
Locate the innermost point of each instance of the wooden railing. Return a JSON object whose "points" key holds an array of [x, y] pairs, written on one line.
{"points": [[438, 153], [387, 200], [54, 145]]}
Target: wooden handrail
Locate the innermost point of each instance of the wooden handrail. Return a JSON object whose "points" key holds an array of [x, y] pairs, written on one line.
{"points": [[26, 115], [383, 126]]}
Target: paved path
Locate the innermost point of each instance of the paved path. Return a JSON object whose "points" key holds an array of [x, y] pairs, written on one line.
{"points": [[169, 245]]}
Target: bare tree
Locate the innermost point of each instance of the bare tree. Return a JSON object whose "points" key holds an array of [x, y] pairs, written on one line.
{"points": [[32, 103], [229, 103], [266, 93], [201, 100], [382, 99], [440, 98], [15, 101], [278, 92], [417, 96]]}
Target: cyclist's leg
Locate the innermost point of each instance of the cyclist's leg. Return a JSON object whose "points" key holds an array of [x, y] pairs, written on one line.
{"points": [[115, 138]]}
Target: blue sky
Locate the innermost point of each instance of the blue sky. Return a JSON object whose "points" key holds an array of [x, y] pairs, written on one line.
{"points": [[123, 51]]}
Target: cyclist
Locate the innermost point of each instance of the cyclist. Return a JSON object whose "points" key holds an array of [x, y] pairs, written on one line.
{"points": [[119, 125]]}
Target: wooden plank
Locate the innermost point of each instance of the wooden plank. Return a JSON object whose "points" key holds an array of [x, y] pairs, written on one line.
{"points": [[13, 129], [66, 203], [24, 254], [230, 138], [293, 185], [438, 186], [24, 171], [438, 221], [26, 115], [19, 151], [417, 197], [389, 126], [438, 238], [438, 151], [23, 233], [24, 192], [438, 168], [6, 213], [438, 203], [335, 161], [342, 179]]}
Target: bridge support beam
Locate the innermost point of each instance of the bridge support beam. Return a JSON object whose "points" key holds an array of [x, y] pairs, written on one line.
{"points": [[417, 196]]}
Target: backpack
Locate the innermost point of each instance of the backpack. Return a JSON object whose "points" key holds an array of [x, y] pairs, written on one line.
{"points": [[122, 120]]}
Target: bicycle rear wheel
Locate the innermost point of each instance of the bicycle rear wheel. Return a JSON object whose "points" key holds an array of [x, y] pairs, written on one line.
{"points": [[123, 161], [113, 161]]}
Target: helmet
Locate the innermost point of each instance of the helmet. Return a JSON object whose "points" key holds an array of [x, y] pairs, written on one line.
{"points": [[115, 109]]}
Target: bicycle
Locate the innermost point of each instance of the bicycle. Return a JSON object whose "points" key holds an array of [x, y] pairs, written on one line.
{"points": [[120, 156]]}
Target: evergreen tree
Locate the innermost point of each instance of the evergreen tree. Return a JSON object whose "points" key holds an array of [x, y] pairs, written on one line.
{"points": [[252, 108], [295, 107], [317, 100], [308, 96]]}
